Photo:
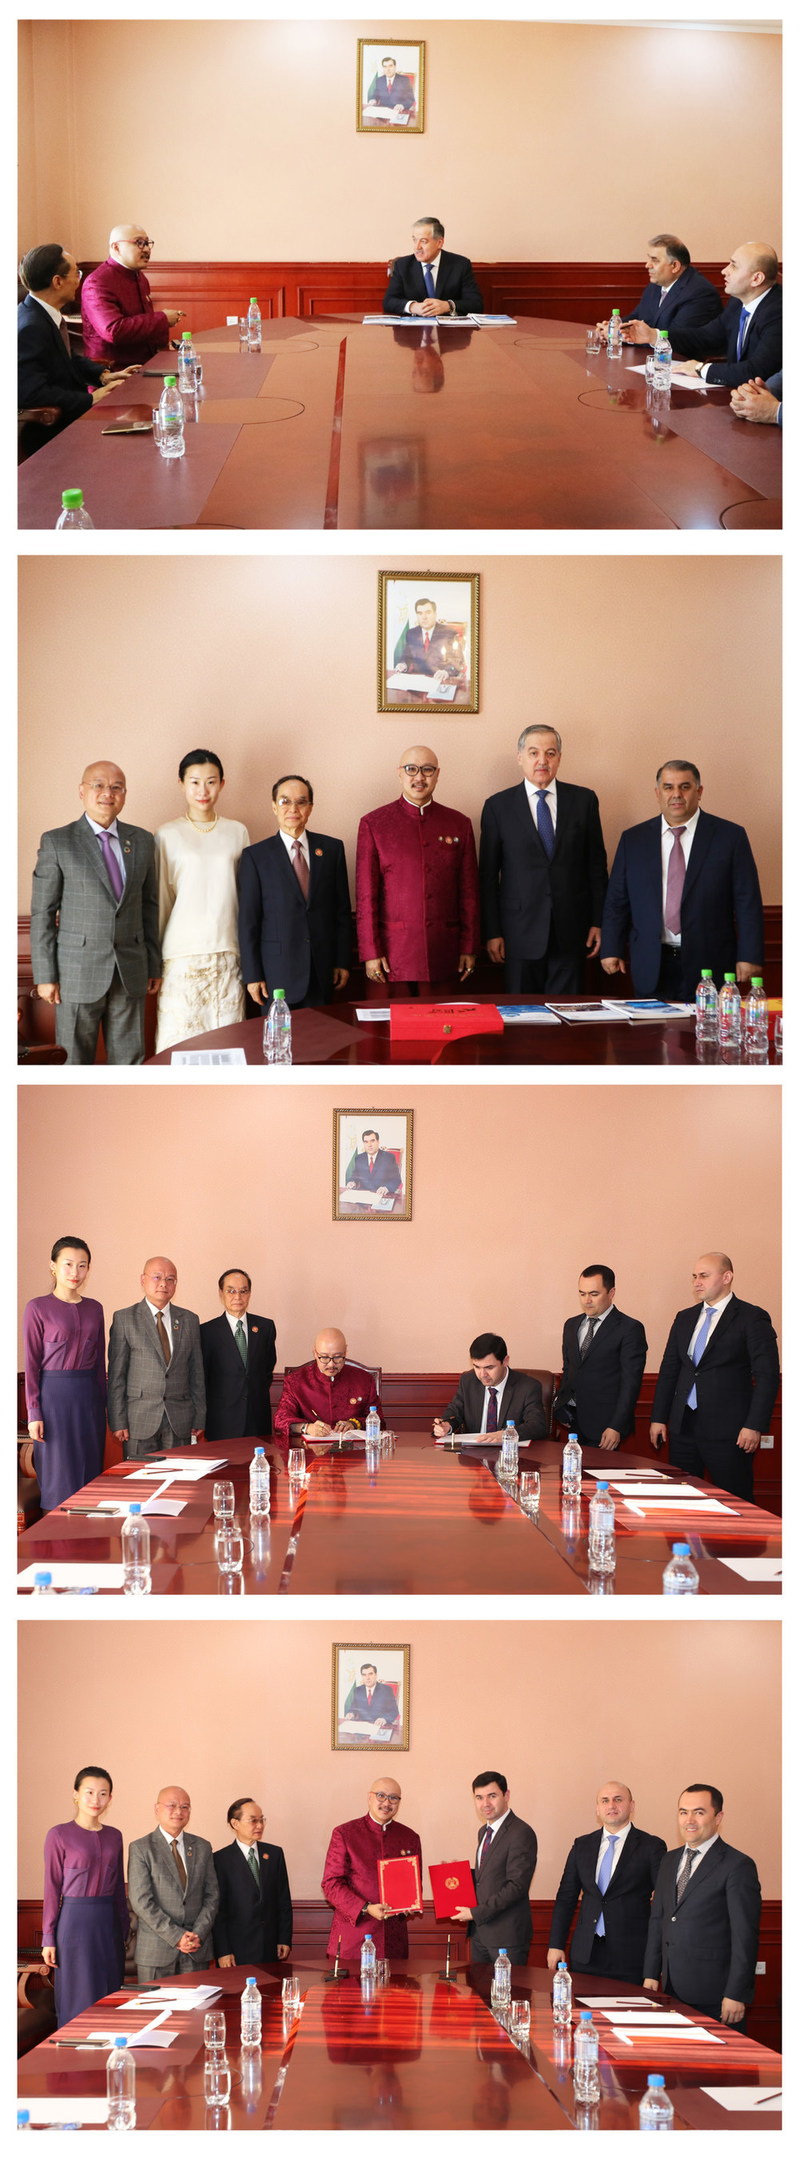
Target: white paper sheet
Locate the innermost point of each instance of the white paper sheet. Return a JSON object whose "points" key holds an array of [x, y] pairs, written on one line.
{"points": [[696, 1505], [613, 2000], [67, 1574], [642, 2018], [745, 2097], [654, 1476], [520, 1015], [479, 1438], [61, 2112], [755, 1569], [668, 2037], [683, 382], [645, 1491], [424, 685], [373, 1011], [208, 1056]]}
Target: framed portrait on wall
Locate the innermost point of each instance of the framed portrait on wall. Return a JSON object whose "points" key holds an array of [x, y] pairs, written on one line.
{"points": [[428, 640], [390, 86], [369, 1697], [372, 1150]]}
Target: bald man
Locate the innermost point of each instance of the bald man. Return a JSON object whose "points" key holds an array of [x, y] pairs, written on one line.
{"points": [[120, 322], [746, 337], [326, 1395], [719, 1377], [351, 1883], [417, 883], [612, 1872], [95, 950], [156, 1388], [172, 1891]]}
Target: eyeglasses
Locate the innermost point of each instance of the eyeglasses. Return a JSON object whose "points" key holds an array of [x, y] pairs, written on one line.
{"points": [[330, 1359], [426, 770], [106, 786], [142, 244], [387, 1796], [162, 1281]]}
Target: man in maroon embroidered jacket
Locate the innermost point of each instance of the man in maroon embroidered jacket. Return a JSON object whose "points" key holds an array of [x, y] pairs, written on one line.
{"points": [[350, 1881], [417, 883], [120, 322], [326, 1395]]}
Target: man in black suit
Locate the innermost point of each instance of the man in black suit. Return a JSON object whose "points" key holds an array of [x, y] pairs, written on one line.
{"points": [[429, 647], [238, 1361], [504, 1868], [746, 336], [48, 374], [372, 1701], [387, 88], [676, 296], [613, 1871], [254, 1920], [431, 282], [719, 1377], [702, 1942], [684, 889], [542, 873], [295, 922], [373, 1168], [603, 1357], [490, 1393]]}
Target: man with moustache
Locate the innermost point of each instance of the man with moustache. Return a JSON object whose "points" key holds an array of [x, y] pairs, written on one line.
{"points": [[417, 883], [351, 1883]]}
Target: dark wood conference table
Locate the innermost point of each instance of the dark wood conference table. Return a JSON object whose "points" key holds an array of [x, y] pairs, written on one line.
{"points": [[427, 1520], [423, 2053], [333, 1035], [326, 429]]}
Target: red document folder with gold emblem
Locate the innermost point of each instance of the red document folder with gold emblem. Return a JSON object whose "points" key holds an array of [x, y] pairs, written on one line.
{"points": [[414, 1021], [453, 1887], [400, 1883]]}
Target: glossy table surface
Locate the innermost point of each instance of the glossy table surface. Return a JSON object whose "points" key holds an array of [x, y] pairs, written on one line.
{"points": [[421, 2053], [333, 1035], [427, 1520], [330, 428]]}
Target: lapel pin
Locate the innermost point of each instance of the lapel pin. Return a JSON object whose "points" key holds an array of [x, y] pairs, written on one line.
{"points": [[318, 850]]}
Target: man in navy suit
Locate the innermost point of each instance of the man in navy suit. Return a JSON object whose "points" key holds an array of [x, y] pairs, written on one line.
{"points": [[542, 873], [702, 1942], [490, 1393], [603, 1356], [431, 282], [759, 400], [373, 1169], [295, 923], [744, 338], [254, 1920], [613, 1872], [429, 647], [684, 888], [48, 374], [676, 296], [387, 88], [718, 1380], [372, 1701], [238, 1351]]}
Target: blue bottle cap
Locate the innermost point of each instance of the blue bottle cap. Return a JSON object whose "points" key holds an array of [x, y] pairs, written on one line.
{"points": [[120, 2041], [655, 2083], [681, 1551], [135, 1508]]}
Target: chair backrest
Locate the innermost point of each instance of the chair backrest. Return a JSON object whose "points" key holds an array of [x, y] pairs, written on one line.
{"points": [[374, 1370], [548, 1385]]}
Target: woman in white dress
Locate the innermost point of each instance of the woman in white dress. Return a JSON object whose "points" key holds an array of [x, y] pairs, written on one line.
{"points": [[198, 857]]}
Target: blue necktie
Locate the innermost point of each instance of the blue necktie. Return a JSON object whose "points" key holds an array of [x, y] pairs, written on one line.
{"points": [[603, 1879], [429, 284], [698, 1351], [544, 823], [744, 318]]}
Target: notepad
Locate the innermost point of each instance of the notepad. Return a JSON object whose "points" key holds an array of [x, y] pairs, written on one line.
{"points": [[755, 1569], [743, 2097], [66, 1574]]}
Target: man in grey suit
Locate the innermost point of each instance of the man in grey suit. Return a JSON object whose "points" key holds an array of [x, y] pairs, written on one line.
{"points": [[702, 1942], [95, 948], [504, 1868], [172, 1891], [156, 1389], [490, 1393]]}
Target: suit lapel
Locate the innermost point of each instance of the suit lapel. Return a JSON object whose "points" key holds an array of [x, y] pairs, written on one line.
{"points": [[90, 847], [624, 1857], [565, 810], [315, 865], [286, 869], [700, 846], [707, 1866], [528, 830]]}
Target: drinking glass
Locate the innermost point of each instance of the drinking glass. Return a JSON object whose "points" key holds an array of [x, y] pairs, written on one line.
{"points": [[593, 341], [530, 1490], [224, 1503], [243, 334], [290, 1994], [198, 373], [229, 1547], [216, 2079], [779, 1035], [297, 1464], [520, 2019], [214, 2031]]}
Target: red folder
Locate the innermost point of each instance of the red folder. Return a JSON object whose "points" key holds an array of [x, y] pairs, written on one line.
{"points": [[400, 1883], [414, 1021], [453, 1887]]}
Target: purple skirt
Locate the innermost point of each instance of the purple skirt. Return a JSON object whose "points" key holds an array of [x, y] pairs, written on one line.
{"points": [[74, 1418], [90, 1954]]}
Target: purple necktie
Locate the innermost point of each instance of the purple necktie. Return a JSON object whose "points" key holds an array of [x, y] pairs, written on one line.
{"points": [[676, 878], [491, 1413], [300, 867], [115, 876], [485, 1846], [429, 284]]}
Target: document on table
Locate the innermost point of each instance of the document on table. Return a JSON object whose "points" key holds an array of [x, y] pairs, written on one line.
{"points": [[643, 2017], [424, 685], [416, 322], [208, 1056], [493, 322], [647, 1008], [690, 1506], [654, 1476], [66, 2112], [755, 1569], [645, 1491], [68, 1575], [515, 1015], [369, 1199], [373, 1011], [583, 1015], [744, 2097], [607, 2001], [683, 382], [480, 1438]]}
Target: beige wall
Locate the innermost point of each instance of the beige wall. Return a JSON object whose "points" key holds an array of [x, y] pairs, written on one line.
{"points": [[515, 1190], [238, 139], [676, 1703], [273, 664]]}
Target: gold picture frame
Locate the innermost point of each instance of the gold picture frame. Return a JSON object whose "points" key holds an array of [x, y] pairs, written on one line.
{"points": [[389, 1662], [428, 630], [357, 1159], [390, 103]]}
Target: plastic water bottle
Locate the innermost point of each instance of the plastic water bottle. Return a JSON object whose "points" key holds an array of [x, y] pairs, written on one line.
{"points": [[278, 1030], [372, 1428], [187, 378], [586, 2066], [254, 327], [136, 1576], [121, 2086], [756, 1016], [602, 1552], [259, 1485], [509, 1451], [171, 412], [662, 368], [74, 518], [614, 335], [706, 1008], [23, 2117], [655, 2108], [43, 1584], [501, 1981], [680, 1577], [730, 1014], [571, 1464], [368, 1960], [251, 2017], [562, 1996]]}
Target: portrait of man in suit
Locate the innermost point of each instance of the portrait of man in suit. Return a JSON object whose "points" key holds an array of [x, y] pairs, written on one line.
{"points": [[95, 950], [500, 1916], [542, 873], [603, 1355], [609, 1879], [254, 1920], [238, 1351], [702, 1941], [156, 1390], [718, 1381], [428, 625], [295, 929], [431, 281], [488, 1395], [172, 1891], [372, 1701], [683, 895], [369, 1701], [390, 86], [373, 1167]]}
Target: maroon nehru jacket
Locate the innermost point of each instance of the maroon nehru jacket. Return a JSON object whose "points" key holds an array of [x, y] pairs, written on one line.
{"points": [[350, 1880], [417, 890], [310, 1397], [120, 322]]}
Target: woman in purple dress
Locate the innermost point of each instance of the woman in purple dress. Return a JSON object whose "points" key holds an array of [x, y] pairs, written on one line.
{"points": [[65, 1376], [85, 1908]]}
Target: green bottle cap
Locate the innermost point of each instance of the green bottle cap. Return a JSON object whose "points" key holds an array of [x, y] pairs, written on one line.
{"points": [[731, 978], [757, 981], [706, 975], [253, 300], [279, 993], [614, 311], [187, 336], [170, 381], [72, 498]]}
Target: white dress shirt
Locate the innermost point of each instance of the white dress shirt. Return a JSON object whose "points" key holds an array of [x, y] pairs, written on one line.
{"points": [[495, 1827], [301, 842], [178, 1840], [748, 308], [717, 1310], [233, 1323], [112, 833], [499, 1389], [668, 935], [54, 312], [166, 1315], [552, 799], [605, 1839], [699, 1850]]}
